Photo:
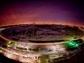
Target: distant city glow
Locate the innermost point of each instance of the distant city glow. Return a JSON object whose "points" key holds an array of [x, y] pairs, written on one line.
{"points": [[41, 13]]}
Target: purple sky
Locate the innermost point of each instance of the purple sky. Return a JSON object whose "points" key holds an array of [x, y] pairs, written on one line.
{"points": [[42, 11]]}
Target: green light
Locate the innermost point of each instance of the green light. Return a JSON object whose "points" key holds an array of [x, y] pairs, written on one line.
{"points": [[14, 44], [72, 44], [9, 42]]}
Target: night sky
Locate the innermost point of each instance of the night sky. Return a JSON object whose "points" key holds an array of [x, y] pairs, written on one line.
{"points": [[41, 12]]}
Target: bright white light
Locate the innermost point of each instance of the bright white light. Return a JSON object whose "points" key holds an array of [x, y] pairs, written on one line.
{"points": [[9, 55]]}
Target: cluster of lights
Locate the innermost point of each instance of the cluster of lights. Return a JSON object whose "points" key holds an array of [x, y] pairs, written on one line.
{"points": [[10, 44], [72, 44]]}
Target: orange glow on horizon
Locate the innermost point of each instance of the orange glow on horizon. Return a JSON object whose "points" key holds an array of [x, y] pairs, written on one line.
{"points": [[47, 23]]}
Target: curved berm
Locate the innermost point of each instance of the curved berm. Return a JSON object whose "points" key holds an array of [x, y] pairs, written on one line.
{"points": [[40, 43]]}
